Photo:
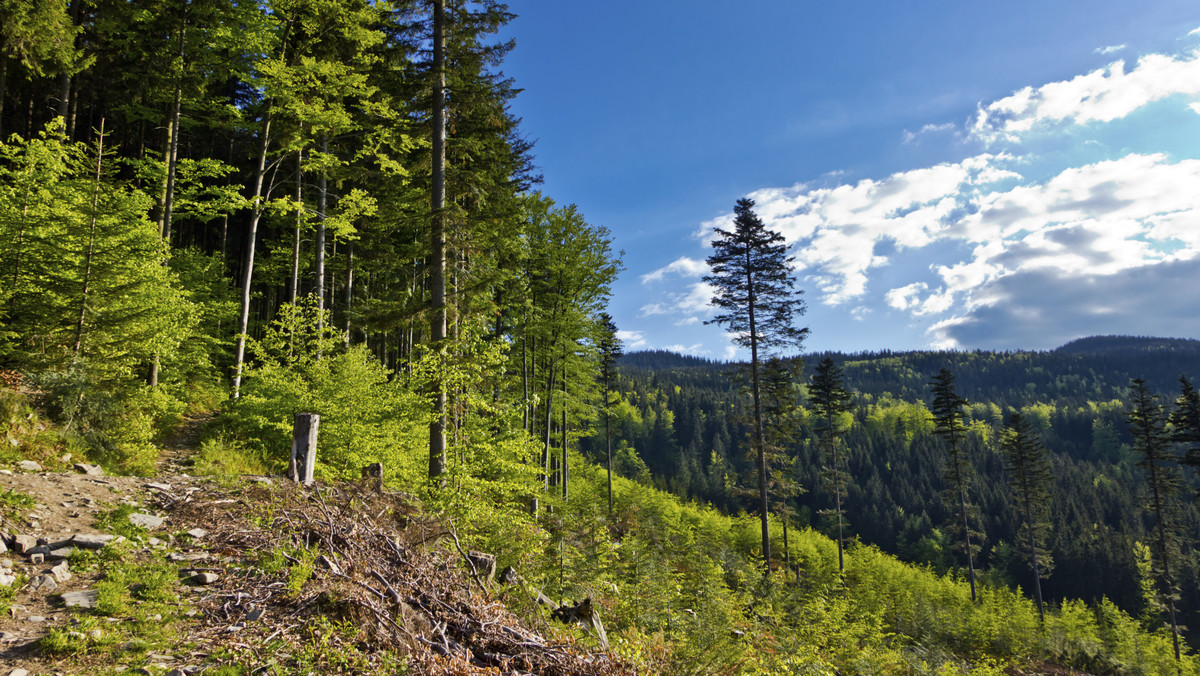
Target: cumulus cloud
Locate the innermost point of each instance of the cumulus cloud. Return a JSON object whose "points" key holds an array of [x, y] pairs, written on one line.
{"points": [[1103, 95], [1110, 49], [632, 340], [683, 266]]}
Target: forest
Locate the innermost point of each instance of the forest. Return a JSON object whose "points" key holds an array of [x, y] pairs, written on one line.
{"points": [[246, 210]]}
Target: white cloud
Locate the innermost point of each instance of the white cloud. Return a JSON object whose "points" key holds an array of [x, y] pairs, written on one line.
{"points": [[1195, 107], [730, 352], [683, 266], [688, 321], [1103, 95], [695, 348], [1194, 31], [1110, 49], [909, 137], [632, 340]]}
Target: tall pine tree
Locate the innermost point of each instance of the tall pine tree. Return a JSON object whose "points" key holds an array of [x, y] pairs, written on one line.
{"points": [[1030, 478], [949, 417], [757, 302]]}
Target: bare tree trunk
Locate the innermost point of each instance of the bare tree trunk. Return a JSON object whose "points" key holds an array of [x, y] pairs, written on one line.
{"points": [[252, 236], [3, 90], [322, 197], [437, 262], [566, 472], [349, 290], [87, 261], [295, 290]]}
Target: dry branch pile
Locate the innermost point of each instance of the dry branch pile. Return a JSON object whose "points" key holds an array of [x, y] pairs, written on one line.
{"points": [[375, 563]]}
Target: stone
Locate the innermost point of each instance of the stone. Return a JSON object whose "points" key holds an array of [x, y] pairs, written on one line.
{"points": [[255, 615], [737, 633], [19, 672], [35, 618], [60, 554], [7, 580], [45, 583], [3, 546], [197, 533], [90, 470], [187, 556], [87, 541], [23, 544], [6, 472], [81, 599], [37, 558], [202, 578], [29, 466], [95, 634], [61, 572], [158, 487], [147, 521], [8, 636]]}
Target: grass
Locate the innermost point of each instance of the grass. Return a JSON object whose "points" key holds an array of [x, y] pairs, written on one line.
{"points": [[116, 521], [14, 504]]}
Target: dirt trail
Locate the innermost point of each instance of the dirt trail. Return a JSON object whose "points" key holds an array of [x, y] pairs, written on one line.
{"points": [[177, 451]]}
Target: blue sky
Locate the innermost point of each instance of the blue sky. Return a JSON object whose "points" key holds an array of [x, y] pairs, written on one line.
{"points": [[962, 175]]}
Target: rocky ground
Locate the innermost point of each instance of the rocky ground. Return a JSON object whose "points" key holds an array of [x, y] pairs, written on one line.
{"points": [[176, 574]]}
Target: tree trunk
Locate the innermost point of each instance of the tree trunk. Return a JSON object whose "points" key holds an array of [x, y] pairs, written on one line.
{"points": [[3, 90], [437, 262], [322, 197], [349, 290], [549, 417], [295, 290], [764, 513], [248, 270], [87, 264], [608, 445], [566, 471]]}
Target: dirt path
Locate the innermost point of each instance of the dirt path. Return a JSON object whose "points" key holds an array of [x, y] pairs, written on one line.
{"points": [[178, 450]]}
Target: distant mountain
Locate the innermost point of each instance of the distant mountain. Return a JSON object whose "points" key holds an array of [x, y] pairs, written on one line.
{"points": [[1115, 345], [658, 360]]}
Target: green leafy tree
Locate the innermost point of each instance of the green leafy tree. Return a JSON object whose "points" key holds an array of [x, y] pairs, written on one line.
{"points": [[830, 399], [1185, 422], [949, 420], [1151, 441], [1030, 478], [757, 302]]}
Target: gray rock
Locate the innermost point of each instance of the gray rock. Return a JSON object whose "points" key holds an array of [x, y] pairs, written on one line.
{"points": [[37, 558], [19, 672], [187, 556], [158, 487], [90, 470], [81, 599], [147, 521], [255, 614], [87, 541], [3, 546], [29, 466], [202, 578], [44, 583], [61, 572], [24, 544], [60, 554], [7, 636], [35, 618], [7, 580], [6, 472], [197, 533]]}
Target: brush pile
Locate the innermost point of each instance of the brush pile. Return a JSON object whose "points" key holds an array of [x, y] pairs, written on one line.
{"points": [[361, 573]]}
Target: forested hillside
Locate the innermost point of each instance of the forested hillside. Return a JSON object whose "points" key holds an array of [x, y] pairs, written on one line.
{"points": [[683, 424], [247, 210]]}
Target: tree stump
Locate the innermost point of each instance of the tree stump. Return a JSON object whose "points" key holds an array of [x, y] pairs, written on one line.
{"points": [[304, 448]]}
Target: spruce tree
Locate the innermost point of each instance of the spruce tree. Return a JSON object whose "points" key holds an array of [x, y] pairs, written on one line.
{"points": [[757, 302], [948, 410], [830, 399], [1148, 425], [610, 351], [1030, 478]]}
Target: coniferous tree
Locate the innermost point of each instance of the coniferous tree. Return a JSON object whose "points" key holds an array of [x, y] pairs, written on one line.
{"points": [[610, 352], [1030, 478], [830, 399], [949, 418], [781, 404], [1185, 422], [1147, 423], [754, 291]]}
